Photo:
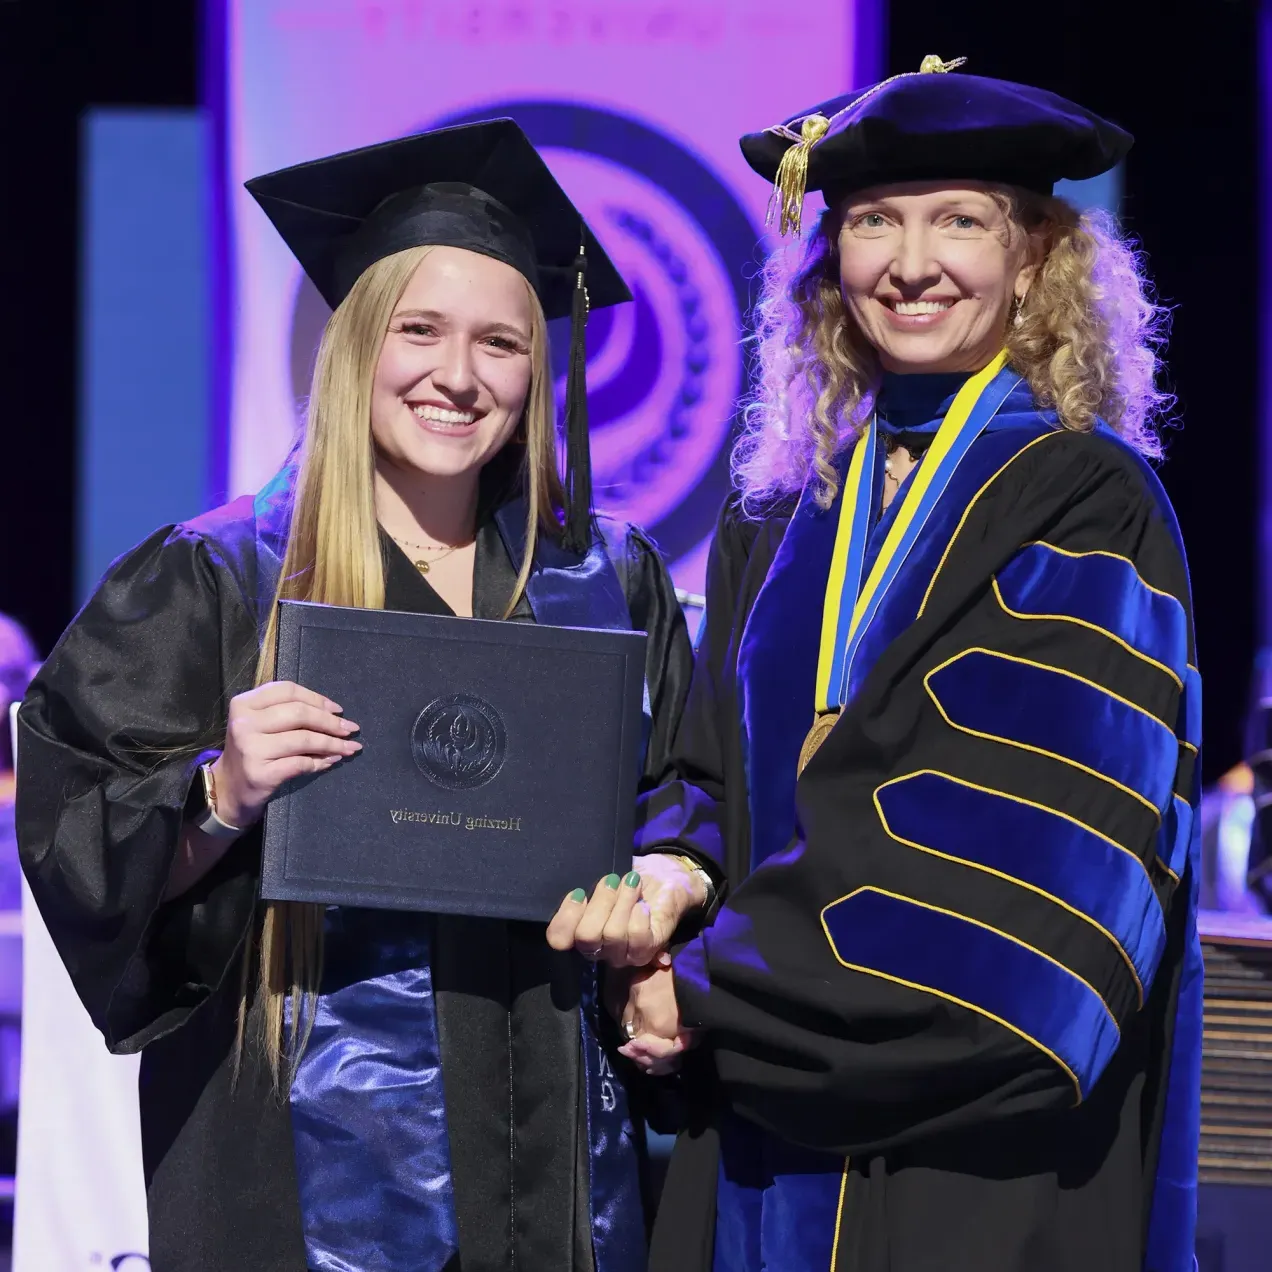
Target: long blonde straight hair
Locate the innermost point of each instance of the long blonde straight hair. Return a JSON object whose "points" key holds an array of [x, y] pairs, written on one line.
{"points": [[333, 556]]}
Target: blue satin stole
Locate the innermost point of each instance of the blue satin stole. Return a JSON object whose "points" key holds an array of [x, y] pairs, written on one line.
{"points": [[776, 1203], [367, 1105]]}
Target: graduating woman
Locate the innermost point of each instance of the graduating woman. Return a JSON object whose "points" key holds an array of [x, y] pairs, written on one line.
{"points": [[349, 1089], [951, 1005]]}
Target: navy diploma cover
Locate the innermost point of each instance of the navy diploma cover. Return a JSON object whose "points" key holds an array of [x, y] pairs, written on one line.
{"points": [[498, 769]]}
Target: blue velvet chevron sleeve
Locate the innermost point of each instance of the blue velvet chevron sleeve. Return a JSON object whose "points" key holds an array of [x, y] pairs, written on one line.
{"points": [[977, 915]]}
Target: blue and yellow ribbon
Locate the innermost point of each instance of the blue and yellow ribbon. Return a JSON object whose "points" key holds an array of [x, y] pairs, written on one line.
{"points": [[850, 607]]}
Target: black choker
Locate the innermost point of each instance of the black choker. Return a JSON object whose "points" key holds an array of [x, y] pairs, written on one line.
{"points": [[915, 443]]}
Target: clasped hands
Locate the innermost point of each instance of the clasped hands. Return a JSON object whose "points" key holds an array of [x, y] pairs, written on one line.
{"points": [[628, 925]]}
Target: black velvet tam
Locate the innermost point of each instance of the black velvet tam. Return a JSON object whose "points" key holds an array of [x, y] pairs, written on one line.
{"points": [[934, 125], [479, 186]]}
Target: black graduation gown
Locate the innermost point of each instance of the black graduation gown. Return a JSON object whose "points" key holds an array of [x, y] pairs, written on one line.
{"points": [[993, 846], [110, 735]]}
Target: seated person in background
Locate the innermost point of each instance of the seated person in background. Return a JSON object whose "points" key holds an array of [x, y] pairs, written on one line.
{"points": [[1230, 845], [1236, 821]]}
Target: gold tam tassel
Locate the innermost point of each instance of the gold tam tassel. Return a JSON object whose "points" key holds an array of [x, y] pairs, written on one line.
{"points": [[792, 176], [932, 65], [792, 173]]}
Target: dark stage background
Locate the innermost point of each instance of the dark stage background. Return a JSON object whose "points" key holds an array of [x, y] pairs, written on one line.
{"points": [[1181, 76], [57, 59]]}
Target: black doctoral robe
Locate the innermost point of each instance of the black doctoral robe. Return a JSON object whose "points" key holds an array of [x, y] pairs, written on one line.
{"points": [[950, 1009], [109, 737]]}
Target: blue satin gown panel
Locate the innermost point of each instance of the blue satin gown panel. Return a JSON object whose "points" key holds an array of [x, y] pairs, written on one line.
{"points": [[777, 672], [1173, 1221], [618, 1221], [777, 1203], [368, 1114]]}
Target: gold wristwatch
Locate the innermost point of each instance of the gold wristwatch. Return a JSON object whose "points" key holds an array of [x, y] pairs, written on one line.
{"points": [[695, 869], [207, 820]]}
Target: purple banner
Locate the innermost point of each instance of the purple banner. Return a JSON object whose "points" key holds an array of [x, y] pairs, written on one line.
{"points": [[637, 107]]}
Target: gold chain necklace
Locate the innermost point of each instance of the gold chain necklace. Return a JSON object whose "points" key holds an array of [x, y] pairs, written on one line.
{"points": [[420, 564]]}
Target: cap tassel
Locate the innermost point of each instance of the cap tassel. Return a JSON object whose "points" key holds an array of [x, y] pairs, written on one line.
{"points": [[578, 456], [933, 65], [791, 183]]}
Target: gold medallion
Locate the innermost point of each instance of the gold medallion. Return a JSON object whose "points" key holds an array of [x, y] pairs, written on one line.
{"points": [[422, 566], [816, 736]]}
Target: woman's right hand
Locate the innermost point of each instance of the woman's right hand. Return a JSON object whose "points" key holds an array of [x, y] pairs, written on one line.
{"points": [[276, 732]]}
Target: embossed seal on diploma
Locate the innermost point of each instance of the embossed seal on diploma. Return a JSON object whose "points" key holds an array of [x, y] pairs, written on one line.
{"points": [[459, 742]]}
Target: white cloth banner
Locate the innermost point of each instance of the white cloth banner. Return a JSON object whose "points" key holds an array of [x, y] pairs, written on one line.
{"points": [[81, 1197]]}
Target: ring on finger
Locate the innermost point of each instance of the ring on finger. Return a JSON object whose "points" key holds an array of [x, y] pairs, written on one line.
{"points": [[629, 1028]]}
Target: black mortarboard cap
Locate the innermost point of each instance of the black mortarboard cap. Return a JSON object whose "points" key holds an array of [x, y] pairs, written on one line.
{"points": [[931, 125], [482, 187]]}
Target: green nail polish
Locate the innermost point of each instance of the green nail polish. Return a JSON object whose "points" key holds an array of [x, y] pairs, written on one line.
{"points": [[578, 895], [632, 879], [611, 881]]}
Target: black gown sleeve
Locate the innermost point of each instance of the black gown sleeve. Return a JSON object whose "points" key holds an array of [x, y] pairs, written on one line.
{"points": [[973, 911], [110, 736], [651, 599], [683, 809]]}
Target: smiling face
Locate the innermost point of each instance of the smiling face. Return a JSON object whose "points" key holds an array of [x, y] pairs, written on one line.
{"points": [[929, 272], [456, 365]]}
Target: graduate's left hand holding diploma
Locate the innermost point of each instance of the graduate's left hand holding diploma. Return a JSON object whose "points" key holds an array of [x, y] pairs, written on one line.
{"points": [[276, 732]]}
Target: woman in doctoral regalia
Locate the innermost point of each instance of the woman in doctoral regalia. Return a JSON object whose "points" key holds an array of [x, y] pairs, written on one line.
{"points": [[942, 734], [348, 1089]]}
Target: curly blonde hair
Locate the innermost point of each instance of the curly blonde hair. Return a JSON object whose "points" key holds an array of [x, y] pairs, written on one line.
{"points": [[1087, 342]]}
